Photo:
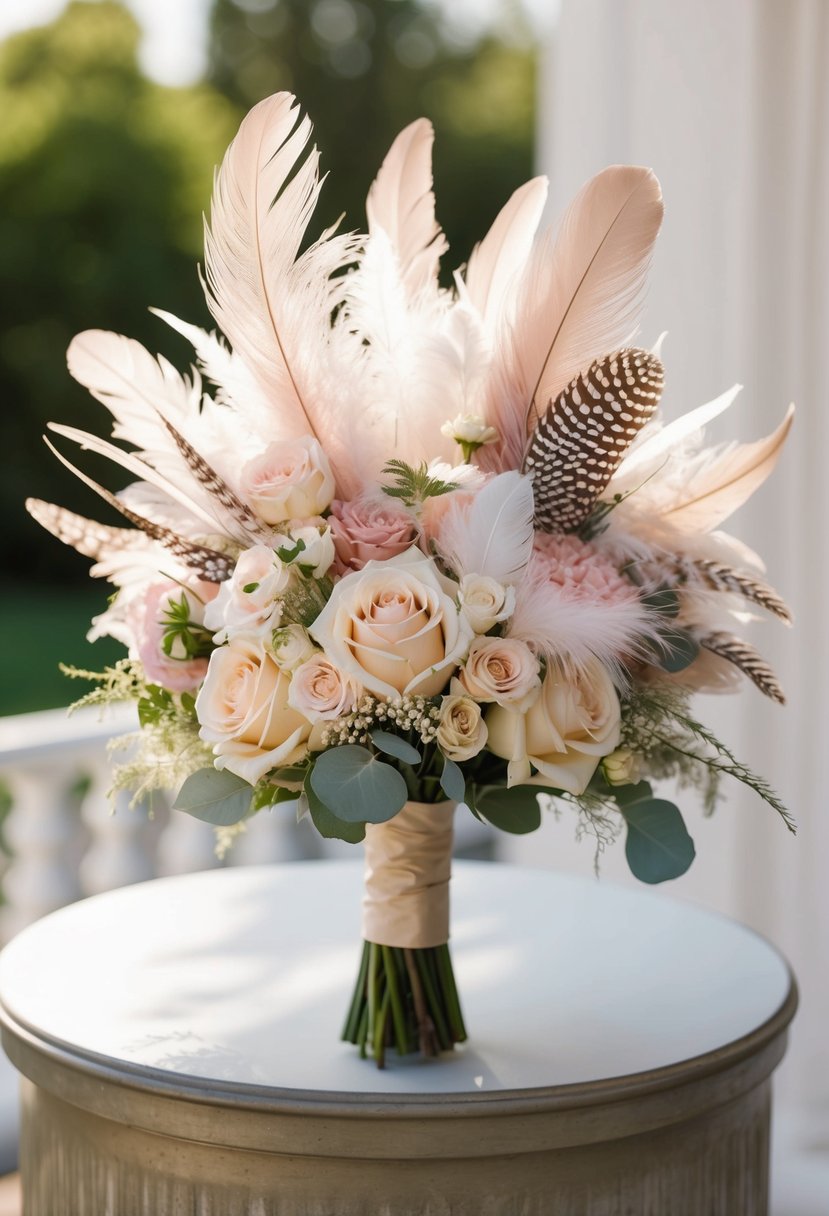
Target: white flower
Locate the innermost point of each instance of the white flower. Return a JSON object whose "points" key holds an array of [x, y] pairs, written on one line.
{"points": [[248, 602], [484, 601], [393, 627], [573, 723], [469, 430], [622, 767], [243, 711], [503, 670], [291, 646], [321, 692], [318, 553], [290, 479]]}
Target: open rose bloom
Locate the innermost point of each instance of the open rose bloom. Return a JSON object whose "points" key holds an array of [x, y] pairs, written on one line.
{"points": [[419, 547]]}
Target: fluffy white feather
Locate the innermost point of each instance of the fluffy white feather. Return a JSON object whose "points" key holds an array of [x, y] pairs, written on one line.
{"points": [[572, 630], [578, 300], [493, 534]]}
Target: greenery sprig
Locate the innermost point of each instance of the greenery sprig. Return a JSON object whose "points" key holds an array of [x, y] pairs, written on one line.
{"points": [[414, 485]]}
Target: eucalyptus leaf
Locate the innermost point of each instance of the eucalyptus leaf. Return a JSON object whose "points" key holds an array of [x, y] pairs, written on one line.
{"points": [[215, 796], [357, 787], [513, 810], [663, 600], [452, 781], [625, 795], [658, 846], [329, 825], [393, 745]]}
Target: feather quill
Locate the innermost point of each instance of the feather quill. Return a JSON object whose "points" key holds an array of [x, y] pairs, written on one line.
{"points": [[493, 535]]}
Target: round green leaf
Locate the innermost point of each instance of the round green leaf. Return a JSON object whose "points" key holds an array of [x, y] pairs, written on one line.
{"points": [[658, 846], [513, 810], [452, 782], [393, 745], [356, 786], [215, 796], [329, 825]]}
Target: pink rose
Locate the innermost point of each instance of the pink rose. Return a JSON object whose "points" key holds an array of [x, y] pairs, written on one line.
{"points": [[290, 479], [503, 670], [175, 671], [320, 691], [370, 529]]}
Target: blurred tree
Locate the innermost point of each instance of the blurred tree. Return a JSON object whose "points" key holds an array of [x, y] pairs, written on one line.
{"points": [[363, 69], [103, 178]]}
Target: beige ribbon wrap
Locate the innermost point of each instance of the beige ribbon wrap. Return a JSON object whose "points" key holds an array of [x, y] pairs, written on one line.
{"points": [[408, 867]]}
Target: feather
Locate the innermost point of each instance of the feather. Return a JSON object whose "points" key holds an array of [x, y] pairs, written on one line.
{"points": [[701, 573], [585, 433], [657, 441], [492, 536], [273, 307], [499, 259], [401, 202], [210, 564], [578, 299], [86, 536], [140, 469], [723, 482], [746, 658], [572, 629], [219, 489]]}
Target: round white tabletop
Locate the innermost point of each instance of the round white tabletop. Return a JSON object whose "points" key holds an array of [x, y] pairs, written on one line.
{"points": [[242, 977]]}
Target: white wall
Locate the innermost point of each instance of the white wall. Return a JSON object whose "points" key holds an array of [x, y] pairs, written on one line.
{"points": [[728, 100]]}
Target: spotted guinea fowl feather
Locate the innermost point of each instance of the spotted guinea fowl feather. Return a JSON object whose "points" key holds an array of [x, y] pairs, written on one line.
{"points": [[584, 434]]}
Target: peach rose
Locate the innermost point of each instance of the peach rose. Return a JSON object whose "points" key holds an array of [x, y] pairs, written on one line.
{"points": [[461, 732], [243, 711], [291, 478], [574, 722], [393, 627], [321, 692], [503, 670], [370, 529]]}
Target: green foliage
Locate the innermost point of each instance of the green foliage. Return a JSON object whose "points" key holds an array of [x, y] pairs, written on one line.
{"points": [[183, 637], [329, 825], [658, 846], [677, 649], [393, 745], [103, 179], [215, 796], [413, 486], [452, 781], [513, 810], [357, 787]]}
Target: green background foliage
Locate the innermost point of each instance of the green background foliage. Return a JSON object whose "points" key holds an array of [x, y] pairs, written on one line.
{"points": [[104, 175]]}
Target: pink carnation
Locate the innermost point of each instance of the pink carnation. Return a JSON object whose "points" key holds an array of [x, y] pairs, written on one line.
{"points": [[369, 529], [580, 570]]}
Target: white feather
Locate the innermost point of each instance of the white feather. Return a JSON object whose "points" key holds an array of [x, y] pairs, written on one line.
{"points": [[493, 535]]}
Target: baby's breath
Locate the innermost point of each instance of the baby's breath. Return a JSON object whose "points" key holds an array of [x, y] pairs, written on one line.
{"points": [[409, 714]]}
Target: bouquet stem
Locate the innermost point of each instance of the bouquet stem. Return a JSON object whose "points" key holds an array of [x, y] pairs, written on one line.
{"points": [[406, 999]]}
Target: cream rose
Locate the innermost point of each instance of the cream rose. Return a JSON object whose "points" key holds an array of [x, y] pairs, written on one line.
{"points": [[503, 670], [321, 692], [247, 604], [291, 646], [575, 721], [393, 627], [485, 602], [461, 732], [370, 529], [243, 711], [318, 554], [622, 767], [291, 478]]}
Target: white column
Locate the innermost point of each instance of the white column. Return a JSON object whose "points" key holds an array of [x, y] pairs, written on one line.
{"points": [[119, 850]]}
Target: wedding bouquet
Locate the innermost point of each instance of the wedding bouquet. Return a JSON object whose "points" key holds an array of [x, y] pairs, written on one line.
{"points": [[424, 545]]}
